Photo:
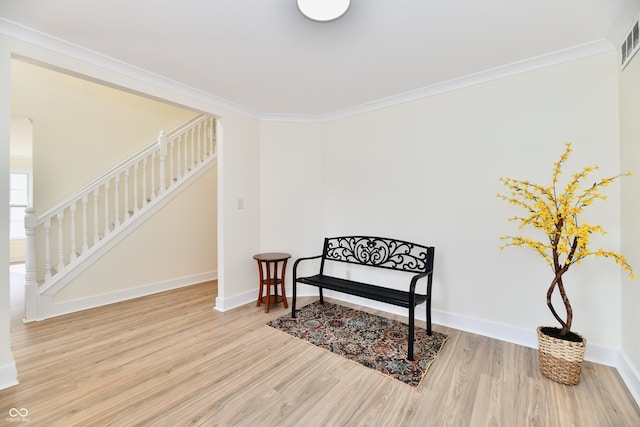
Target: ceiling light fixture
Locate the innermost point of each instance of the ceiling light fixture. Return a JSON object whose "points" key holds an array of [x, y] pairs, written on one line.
{"points": [[323, 10]]}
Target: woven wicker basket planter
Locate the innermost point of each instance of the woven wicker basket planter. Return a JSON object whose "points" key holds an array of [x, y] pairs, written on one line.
{"points": [[560, 360]]}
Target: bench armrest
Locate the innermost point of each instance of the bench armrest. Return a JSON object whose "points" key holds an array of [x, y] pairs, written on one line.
{"points": [[295, 266], [295, 279], [414, 282]]}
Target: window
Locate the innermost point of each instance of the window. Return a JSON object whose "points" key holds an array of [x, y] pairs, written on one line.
{"points": [[19, 199]]}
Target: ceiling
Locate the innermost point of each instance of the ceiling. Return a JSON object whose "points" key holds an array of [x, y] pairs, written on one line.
{"points": [[265, 57]]}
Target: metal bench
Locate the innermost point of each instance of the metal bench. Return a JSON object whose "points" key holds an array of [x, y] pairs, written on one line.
{"points": [[378, 252]]}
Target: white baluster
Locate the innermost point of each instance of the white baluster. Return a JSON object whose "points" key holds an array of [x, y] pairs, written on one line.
{"points": [[126, 194], [162, 150], [144, 181], [135, 188], [85, 231], [60, 218], [96, 236], [192, 141], [179, 151], [116, 201], [106, 209], [185, 144], [199, 141], [207, 137], [153, 175], [74, 249], [47, 249], [171, 157]]}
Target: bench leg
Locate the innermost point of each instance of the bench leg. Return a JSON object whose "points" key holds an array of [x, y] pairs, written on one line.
{"points": [[321, 296], [412, 310], [293, 299], [429, 315]]}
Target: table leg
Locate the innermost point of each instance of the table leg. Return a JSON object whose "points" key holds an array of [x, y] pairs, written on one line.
{"points": [[266, 308], [261, 284], [284, 294]]}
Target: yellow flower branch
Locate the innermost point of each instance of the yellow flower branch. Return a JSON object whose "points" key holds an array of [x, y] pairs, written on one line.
{"points": [[557, 216]]}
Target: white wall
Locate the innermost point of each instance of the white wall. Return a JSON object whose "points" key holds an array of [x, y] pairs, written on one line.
{"points": [[630, 160], [291, 188], [239, 229], [427, 171]]}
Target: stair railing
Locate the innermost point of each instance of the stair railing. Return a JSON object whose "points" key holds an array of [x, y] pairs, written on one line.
{"points": [[73, 228]]}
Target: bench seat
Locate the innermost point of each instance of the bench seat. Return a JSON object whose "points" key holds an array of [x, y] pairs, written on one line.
{"points": [[365, 290]]}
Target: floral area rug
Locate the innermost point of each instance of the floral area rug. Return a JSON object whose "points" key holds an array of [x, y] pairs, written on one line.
{"points": [[370, 340]]}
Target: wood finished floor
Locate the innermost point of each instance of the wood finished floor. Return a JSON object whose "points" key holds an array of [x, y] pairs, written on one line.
{"points": [[170, 360]]}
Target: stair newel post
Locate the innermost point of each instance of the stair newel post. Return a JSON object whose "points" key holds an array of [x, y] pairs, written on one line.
{"points": [[47, 249], [30, 223], [31, 283], [162, 150]]}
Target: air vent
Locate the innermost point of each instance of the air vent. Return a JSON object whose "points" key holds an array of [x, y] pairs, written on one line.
{"points": [[630, 45]]}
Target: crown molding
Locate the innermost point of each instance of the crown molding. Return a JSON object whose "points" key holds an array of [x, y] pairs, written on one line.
{"points": [[45, 41], [497, 73], [570, 54]]}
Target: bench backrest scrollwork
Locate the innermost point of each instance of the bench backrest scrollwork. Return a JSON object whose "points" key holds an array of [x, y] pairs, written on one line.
{"points": [[378, 252]]}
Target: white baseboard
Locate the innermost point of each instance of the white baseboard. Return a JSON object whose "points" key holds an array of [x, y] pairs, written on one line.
{"points": [[8, 376], [630, 376], [235, 301], [51, 308]]}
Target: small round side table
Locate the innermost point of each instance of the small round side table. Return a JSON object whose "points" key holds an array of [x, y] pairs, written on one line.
{"points": [[268, 267]]}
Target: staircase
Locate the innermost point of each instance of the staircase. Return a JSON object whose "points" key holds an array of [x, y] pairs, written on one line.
{"points": [[66, 239]]}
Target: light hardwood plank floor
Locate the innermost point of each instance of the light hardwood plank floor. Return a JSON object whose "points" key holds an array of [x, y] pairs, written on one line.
{"points": [[171, 360]]}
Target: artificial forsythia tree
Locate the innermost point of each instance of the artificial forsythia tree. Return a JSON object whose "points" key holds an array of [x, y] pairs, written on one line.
{"points": [[557, 215]]}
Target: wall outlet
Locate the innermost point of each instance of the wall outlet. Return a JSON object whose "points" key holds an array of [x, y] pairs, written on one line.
{"points": [[347, 274]]}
